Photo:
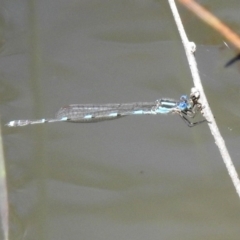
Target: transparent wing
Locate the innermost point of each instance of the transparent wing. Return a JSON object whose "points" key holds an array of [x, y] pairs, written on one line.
{"points": [[94, 112]]}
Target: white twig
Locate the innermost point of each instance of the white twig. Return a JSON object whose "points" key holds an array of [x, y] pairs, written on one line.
{"points": [[189, 49], [4, 208]]}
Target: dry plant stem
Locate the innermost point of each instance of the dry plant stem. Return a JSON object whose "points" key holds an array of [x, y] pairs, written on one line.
{"points": [[4, 215], [203, 100], [213, 21]]}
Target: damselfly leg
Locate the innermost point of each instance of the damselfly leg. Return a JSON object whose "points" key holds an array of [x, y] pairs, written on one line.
{"points": [[190, 112]]}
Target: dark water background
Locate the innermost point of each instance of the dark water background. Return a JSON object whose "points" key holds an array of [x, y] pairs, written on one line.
{"points": [[145, 177]]}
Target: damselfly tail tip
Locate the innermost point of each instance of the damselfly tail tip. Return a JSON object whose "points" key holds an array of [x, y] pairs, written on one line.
{"points": [[11, 124], [21, 123], [18, 123]]}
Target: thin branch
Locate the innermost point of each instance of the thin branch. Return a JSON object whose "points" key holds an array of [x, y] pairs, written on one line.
{"points": [[4, 208], [188, 46], [213, 21]]}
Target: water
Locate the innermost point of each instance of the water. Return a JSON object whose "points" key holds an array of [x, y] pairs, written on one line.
{"points": [[133, 178]]}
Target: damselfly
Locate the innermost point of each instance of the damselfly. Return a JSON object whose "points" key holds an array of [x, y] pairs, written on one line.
{"points": [[185, 107]]}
